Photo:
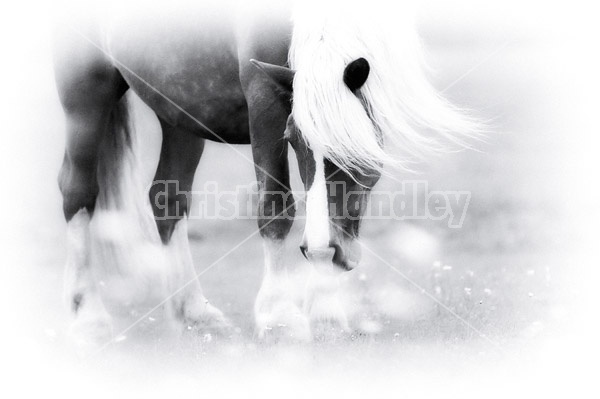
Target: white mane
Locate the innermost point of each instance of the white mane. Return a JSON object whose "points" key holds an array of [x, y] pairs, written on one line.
{"points": [[398, 104]]}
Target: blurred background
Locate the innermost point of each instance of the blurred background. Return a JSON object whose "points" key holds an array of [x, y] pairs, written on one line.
{"points": [[512, 286]]}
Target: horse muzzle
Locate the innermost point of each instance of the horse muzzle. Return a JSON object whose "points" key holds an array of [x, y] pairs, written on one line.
{"points": [[332, 254]]}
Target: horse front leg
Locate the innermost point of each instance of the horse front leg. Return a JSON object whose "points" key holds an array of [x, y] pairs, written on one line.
{"points": [[169, 198], [277, 309], [323, 302]]}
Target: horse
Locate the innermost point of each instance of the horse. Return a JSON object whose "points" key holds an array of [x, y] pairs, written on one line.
{"points": [[338, 83]]}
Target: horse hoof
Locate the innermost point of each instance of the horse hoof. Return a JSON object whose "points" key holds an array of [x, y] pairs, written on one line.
{"points": [[285, 323], [327, 317], [330, 330], [89, 333], [328, 320], [209, 321]]}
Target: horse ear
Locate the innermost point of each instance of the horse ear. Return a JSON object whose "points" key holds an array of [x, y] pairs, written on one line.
{"points": [[281, 76], [356, 74]]}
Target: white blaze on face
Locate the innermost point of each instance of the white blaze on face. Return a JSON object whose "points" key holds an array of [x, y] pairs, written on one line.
{"points": [[316, 230]]}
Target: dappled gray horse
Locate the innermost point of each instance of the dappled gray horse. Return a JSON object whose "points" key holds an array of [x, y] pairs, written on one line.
{"points": [[334, 82]]}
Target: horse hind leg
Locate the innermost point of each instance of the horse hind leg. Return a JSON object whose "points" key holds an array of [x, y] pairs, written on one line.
{"points": [[169, 196], [92, 324], [89, 88]]}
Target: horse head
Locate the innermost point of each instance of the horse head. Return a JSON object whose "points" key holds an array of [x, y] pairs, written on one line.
{"points": [[336, 196]]}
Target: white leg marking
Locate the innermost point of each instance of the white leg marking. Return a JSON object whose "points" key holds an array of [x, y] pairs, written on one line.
{"points": [[92, 325], [323, 304], [190, 305], [276, 311]]}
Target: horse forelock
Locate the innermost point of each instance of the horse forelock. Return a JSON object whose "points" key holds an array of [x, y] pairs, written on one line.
{"points": [[396, 105]]}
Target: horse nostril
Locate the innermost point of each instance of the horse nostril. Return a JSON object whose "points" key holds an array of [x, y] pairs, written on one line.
{"points": [[337, 254], [303, 249]]}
